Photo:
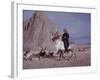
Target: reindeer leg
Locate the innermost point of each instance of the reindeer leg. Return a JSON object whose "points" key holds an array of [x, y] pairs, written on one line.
{"points": [[68, 57], [60, 55], [73, 54], [39, 57]]}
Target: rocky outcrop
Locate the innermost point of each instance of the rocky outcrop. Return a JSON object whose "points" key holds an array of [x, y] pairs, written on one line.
{"points": [[37, 32]]}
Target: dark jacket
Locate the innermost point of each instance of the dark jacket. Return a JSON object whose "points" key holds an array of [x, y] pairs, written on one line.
{"points": [[65, 37]]}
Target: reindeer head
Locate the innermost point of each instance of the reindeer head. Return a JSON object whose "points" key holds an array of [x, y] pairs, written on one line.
{"points": [[54, 36]]}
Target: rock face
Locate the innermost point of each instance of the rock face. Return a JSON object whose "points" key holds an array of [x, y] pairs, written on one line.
{"points": [[37, 32]]}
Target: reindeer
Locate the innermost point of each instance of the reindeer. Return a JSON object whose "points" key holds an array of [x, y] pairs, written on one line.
{"points": [[59, 45]]}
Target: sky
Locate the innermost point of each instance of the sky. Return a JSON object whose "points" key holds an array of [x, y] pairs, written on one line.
{"points": [[77, 24]]}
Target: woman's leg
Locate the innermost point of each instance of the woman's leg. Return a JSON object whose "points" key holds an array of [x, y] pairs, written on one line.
{"points": [[66, 45]]}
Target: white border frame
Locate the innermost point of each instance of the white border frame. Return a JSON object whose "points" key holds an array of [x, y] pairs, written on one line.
{"points": [[17, 61]]}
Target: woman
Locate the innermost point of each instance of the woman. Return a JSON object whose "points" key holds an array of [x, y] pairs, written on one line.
{"points": [[65, 39]]}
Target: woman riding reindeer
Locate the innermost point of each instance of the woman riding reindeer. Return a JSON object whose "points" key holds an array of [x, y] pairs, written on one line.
{"points": [[61, 43], [65, 39]]}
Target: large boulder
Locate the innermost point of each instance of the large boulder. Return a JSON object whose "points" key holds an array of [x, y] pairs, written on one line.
{"points": [[37, 32]]}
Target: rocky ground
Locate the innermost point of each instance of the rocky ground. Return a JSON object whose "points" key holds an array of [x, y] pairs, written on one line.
{"points": [[83, 58]]}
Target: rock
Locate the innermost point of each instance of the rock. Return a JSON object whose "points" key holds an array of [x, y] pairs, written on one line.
{"points": [[35, 59], [37, 32]]}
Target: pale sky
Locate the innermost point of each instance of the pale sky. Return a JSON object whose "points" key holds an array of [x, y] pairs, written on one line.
{"points": [[78, 24]]}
